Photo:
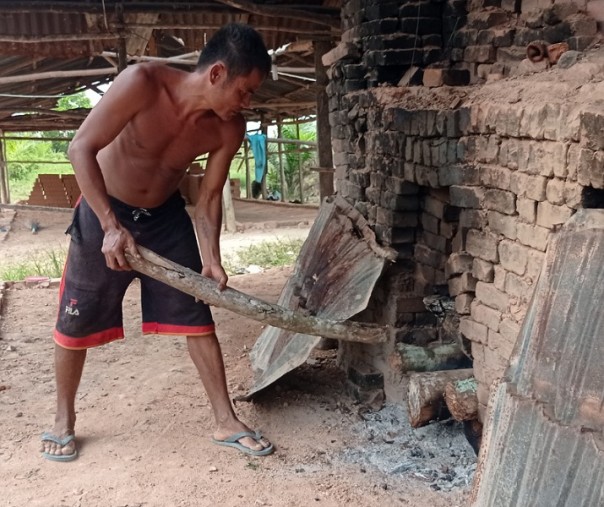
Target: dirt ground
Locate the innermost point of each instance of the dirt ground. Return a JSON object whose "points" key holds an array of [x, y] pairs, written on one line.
{"points": [[144, 421]]}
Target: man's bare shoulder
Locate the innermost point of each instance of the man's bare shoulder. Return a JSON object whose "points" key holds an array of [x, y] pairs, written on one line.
{"points": [[150, 75], [236, 125], [232, 131]]}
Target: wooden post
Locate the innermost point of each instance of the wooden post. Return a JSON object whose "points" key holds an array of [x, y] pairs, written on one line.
{"points": [[264, 130], [206, 289], [326, 186], [248, 181], [4, 187], [230, 224], [122, 57], [281, 170], [300, 175], [425, 399]]}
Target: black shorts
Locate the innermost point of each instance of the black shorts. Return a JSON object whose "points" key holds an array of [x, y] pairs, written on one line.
{"points": [[91, 294]]}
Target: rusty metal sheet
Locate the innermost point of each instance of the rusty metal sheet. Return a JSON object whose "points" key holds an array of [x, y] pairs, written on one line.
{"points": [[334, 277], [544, 442]]}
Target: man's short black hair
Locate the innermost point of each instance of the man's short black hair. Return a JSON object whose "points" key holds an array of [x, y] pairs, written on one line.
{"points": [[240, 48]]}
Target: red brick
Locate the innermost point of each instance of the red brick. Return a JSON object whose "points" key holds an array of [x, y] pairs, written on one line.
{"points": [[500, 344], [458, 263], [533, 236], [482, 270], [463, 304], [549, 215], [461, 284], [527, 210], [482, 245], [488, 294], [502, 224], [473, 331], [513, 256], [486, 315]]}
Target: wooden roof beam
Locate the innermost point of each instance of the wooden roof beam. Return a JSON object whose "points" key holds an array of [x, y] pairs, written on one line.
{"points": [[57, 74], [28, 6], [45, 39], [284, 12]]}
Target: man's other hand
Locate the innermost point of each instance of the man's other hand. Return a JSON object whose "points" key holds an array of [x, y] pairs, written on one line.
{"points": [[217, 273]]}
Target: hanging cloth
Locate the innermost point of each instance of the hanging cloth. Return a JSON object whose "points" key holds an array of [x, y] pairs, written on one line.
{"points": [[258, 144]]}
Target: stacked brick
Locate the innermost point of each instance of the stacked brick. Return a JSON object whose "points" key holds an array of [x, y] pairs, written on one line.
{"points": [[391, 36], [59, 191], [497, 32], [480, 37], [466, 194], [468, 197]]}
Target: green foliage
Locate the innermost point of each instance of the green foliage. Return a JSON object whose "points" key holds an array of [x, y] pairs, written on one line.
{"points": [[23, 161], [48, 263], [25, 158], [19, 152], [76, 101], [294, 156], [266, 254]]}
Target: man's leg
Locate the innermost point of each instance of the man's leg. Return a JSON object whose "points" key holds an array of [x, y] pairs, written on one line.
{"points": [[69, 365], [207, 356]]}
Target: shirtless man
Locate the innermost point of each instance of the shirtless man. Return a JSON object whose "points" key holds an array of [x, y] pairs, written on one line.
{"points": [[129, 157]]}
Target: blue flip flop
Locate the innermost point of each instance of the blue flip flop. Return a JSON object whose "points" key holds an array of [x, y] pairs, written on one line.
{"points": [[232, 441], [62, 442]]}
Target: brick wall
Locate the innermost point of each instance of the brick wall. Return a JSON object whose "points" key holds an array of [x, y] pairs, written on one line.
{"points": [[480, 37], [465, 186]]}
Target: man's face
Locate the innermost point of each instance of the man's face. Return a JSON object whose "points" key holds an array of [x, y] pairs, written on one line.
{"points": [[236, 93]]}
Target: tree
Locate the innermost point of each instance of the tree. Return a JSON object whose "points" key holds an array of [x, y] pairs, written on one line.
{"points": [[67, 103]]}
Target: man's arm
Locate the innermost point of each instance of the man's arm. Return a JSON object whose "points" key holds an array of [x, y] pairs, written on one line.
{"points": [[128, 94], [208, 211]]}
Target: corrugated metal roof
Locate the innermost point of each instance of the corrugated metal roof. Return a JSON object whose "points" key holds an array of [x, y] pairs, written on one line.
{"points": [[39, 36]]}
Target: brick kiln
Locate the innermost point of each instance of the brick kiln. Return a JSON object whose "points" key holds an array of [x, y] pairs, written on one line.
{"points": [[466, 182]]}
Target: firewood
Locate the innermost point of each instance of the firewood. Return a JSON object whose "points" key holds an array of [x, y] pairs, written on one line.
{"points": [[446, 356], [461, 399], [425, 399], [206, 289]]}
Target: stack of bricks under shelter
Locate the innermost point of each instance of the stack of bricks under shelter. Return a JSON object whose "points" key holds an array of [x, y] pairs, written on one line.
{"points": [[464, 155]]}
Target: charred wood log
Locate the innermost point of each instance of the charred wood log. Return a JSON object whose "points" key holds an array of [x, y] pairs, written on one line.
{"points": [[461, 399], [425, 398], [447, 356]]}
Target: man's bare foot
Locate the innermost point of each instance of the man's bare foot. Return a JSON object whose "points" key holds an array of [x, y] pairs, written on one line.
{"points": [[59, 446]]}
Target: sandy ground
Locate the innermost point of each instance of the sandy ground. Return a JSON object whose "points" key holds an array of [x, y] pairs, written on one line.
{"points": [[144, 421]]}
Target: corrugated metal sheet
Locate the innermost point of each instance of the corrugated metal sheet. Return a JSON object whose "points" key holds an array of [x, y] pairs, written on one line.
{"points": [[334, 277], [544, 443]]}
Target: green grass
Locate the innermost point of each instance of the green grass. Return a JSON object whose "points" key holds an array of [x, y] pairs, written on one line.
{"points": [[267, 254], [47, 263]]}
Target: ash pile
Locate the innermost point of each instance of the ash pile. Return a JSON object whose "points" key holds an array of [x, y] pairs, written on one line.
{"points": [[438, 454]]}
